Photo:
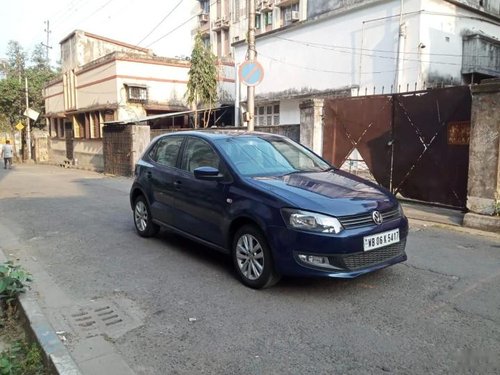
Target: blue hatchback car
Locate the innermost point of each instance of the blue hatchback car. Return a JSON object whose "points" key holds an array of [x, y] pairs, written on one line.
{"points": [[273, 205]]}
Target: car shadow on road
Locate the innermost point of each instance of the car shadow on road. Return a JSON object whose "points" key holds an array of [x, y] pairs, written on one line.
{"points": [[222, 263]]}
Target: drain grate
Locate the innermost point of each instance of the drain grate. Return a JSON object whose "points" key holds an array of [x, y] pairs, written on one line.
{"points": [[107, 315], [103, 316]]}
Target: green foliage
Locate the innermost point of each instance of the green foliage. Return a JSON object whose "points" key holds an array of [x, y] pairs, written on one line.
{"points": [[13, 280], [22, 359], [203, 74], [496, 208], [12, 87]]}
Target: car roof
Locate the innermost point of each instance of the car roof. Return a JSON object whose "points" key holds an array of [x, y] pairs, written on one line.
{"points": [[222, 134]]}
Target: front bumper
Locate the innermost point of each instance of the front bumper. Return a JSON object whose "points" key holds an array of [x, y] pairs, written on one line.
{"points": [[344, 251]]}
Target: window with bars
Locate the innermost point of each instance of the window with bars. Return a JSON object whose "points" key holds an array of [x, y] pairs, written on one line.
{"points": [[268, 18], [267, 115], [289, 14], [257, 21]]}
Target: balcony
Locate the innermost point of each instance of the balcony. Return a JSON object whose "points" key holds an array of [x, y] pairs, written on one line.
{"points": [[203, 18], [264, 6], [285, 3], [481, 55], [220, 24]]}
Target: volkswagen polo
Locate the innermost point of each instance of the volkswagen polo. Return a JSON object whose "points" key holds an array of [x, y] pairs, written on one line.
{"points": [[270, 203]]}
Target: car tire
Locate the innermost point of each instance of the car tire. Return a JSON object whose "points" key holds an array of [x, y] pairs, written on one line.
{"points": [[142, 218], [252, 258]]}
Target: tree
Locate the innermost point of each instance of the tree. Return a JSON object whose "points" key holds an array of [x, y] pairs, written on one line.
{"points": [[12, 87], [202, 83]]}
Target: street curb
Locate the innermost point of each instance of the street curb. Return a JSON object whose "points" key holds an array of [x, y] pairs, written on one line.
{"points": [[56, 355], [455, 228], [484, 222]]}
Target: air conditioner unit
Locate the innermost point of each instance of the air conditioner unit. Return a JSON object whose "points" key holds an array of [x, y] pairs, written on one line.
{"points": [[137, 93], [295, 16], [204, 17]]}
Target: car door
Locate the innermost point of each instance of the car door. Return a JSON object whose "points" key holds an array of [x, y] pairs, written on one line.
{"points": [[200, 205], [164, 158]]}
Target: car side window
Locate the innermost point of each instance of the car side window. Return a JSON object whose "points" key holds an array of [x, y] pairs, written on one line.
{"points": [[166, 151], [199, 153]]}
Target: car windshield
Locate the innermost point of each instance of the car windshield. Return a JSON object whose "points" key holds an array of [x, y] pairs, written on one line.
{"points": [[269, 156]]}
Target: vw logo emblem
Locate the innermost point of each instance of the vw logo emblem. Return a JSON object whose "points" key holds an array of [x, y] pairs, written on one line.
{"points": [[377, 217]]}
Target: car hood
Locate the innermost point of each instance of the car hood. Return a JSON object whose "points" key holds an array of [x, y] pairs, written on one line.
{"points": [[332, 192]]}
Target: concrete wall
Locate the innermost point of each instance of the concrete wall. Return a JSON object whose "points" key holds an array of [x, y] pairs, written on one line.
{"points": [[96, 86], [311, 124], [88, 154], [316, 8], [81, 47], [289, 111], [54, 97], [166, 81], [484, 156], [122, 147], [57, 150]]}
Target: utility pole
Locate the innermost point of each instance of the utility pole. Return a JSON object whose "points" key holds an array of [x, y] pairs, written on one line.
{"points": [[47, 46], [400, 50], [28, 128], [251, 57]]}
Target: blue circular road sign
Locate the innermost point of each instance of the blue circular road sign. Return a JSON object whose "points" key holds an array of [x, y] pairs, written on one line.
{"points": [[251, 73]]}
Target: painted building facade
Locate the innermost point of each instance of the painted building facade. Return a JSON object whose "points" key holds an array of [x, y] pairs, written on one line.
{"points": [[366, 47], [105, 80]]}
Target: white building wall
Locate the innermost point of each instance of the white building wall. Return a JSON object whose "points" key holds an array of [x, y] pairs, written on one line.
{"points": [[290, 112], [166, 82], [96, 86], [443, 25], [325, 54], [357, 48]]}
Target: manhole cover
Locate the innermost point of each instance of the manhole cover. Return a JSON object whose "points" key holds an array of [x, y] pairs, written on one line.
{"points": [[112, 317]]}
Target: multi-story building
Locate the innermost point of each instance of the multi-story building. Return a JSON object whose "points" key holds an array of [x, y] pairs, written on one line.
{"points": [[362, 47], [107, 80]]}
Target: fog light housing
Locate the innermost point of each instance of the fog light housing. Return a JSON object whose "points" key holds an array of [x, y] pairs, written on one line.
{"points": [[318, 261], [315, 260]]}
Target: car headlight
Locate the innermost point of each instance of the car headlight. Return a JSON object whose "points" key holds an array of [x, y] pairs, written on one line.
{"points": [[311, 221], [400, 210]]}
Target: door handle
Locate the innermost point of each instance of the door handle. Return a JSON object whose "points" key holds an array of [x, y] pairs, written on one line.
{"points": [[149, 174], [177, 185]]}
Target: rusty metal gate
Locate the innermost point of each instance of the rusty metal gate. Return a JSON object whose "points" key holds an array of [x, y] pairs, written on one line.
{"points": [[415, 144]]}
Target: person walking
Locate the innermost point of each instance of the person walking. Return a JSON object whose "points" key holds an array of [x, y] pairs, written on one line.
{"points": [[7, 154]]}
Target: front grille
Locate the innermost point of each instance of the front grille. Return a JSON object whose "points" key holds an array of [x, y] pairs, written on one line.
{"points": [[363, 220], [368, 258]]}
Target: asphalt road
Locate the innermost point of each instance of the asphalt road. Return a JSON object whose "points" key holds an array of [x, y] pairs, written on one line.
{"points": [[437, 313]]}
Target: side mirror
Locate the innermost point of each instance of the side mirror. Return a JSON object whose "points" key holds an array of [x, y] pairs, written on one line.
{"points": [[208, 174]]}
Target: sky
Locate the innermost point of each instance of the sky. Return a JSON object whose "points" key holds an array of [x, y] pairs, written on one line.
{"points": [[154, 24]]}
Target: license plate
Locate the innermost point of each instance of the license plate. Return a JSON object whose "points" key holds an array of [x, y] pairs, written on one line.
{"points": [[380, 240]]}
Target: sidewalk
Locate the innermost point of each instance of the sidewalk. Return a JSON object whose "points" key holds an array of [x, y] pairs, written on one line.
{"points": [[433, 214]]}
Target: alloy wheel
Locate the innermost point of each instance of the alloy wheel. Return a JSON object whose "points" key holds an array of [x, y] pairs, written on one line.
{"points": [[141, 216], [250, 257]]}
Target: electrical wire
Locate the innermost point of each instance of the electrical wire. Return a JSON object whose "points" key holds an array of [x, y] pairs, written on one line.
{"points": [[331, 47], [177, 27], [171, 31], [324, 70], [163, 20]]}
